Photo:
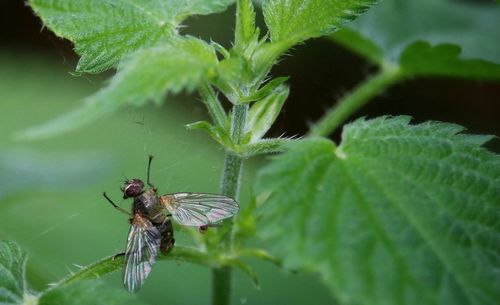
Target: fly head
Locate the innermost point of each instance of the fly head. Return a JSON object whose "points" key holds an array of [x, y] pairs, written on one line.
{"points": [[132, 188]]}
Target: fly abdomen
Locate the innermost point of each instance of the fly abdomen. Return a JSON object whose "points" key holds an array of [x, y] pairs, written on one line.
{"points": [[167, 236]]}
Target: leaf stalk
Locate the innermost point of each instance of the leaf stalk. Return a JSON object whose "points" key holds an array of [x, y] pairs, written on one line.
{"points": [[352, 102]]}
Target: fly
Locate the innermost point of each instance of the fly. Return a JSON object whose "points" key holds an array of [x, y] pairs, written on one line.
{"points": [[151, 229]]}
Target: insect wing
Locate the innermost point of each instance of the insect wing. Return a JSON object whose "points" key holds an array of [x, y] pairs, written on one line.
{"points": [[198, 209], [143, 244]]}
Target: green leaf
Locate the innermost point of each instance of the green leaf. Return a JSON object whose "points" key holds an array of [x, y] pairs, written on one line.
{"points": [[214, 106], [245, 32], [265, 90], [260, 254], [263, 113], [12, 272], [265, 146], [421, 58], [429, 37], [146, 75], [293, 21], [104, 31], [297, 20], [218, 133], [88, 292], [397, 214]]}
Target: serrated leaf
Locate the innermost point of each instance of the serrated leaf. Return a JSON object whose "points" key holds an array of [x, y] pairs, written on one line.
{"points": [[298, 20], [144, 76], [245, 32], [104, 31], [396, 28], [12, 272], [397, 214]]}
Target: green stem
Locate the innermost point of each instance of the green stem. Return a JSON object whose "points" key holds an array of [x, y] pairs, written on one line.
{"points": [[355, 100], [238, 121], [221, 286], [231, 175], [213, 104]]}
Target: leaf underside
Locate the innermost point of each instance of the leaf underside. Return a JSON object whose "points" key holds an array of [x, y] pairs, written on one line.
{"points": [[397, 214], [421, 59], [104, 31], [429, 37]]}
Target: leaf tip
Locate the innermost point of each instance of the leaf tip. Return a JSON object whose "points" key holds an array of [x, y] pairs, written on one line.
{"points": [[340, 154]]}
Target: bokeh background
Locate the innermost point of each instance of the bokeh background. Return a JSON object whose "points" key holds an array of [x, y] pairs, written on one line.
{"points": [[50, 191]]}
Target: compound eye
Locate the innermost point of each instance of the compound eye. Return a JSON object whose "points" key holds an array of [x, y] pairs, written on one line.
{"points": [[132, 188], [132, 191]]}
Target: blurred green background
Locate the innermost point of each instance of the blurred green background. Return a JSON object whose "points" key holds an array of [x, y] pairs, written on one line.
{"points": [[50, 191]]}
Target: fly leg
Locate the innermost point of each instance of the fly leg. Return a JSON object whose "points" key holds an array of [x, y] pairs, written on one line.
{"points": [[114, 205], [203, 228], [149, 171]]}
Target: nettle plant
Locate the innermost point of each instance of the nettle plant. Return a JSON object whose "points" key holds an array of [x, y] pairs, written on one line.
{"points": [[397, 213]]}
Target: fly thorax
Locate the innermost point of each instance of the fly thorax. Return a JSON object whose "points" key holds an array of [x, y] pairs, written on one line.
{"points": [[148, 204], [144, 203]]}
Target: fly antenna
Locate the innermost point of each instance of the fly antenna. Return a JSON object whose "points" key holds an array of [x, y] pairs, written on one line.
{"points": [[149, 172]]}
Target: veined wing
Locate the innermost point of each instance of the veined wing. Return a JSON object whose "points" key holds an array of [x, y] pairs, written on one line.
{"points": [[143, 244], [198, 209]]}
